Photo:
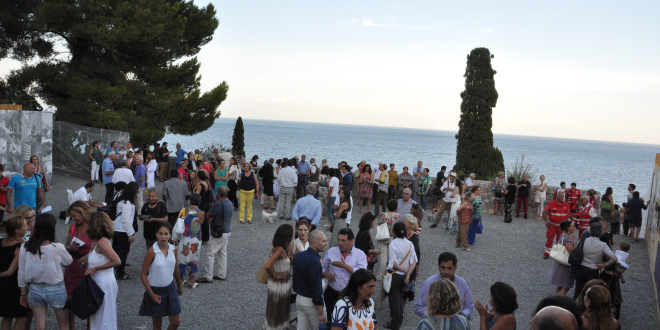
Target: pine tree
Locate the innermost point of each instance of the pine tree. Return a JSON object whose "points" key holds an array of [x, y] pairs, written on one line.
{"points": [[238, 140], [474, 149], [122, 65]]}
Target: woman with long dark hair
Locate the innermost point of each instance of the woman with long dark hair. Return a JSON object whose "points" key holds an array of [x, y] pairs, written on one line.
{"points": [[355, 306], [363, 239], [504, 301], [279, 279], [344, 206], [40, 265], [124, 229], [607, 208], [10, 308], [599, 310]]}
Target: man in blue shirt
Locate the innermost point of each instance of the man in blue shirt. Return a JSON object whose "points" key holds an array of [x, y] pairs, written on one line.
{"points": [[307, 273], [221, 213], [303, 175], [308, 207], [447, 264], [180, 154], [23, 189], [108, 170], [140, 177]]}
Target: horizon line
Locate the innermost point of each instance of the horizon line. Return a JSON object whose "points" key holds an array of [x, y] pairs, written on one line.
{"points": [[441, 130]]}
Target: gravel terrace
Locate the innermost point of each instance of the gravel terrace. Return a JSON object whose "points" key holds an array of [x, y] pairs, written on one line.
{"points": [[511, 253]]}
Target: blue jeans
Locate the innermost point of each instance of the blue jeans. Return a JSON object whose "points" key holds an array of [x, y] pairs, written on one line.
{"points": [[331, 216], [41, 294], [422, 201]]}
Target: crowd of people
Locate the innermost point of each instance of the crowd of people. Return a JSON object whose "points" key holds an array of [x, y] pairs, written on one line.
{"points": [[329, 284]]}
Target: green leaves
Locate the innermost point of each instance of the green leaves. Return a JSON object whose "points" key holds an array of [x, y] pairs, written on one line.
{"points": [[474, 148], [128, 65], [238, 140]]}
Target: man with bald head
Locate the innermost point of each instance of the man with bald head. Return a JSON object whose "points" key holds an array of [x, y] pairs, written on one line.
{"points": [[23, 189], [554, 318], [307, 276]]}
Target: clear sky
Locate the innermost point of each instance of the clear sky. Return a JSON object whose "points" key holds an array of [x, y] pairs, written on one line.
{"points": [[582, 70]]}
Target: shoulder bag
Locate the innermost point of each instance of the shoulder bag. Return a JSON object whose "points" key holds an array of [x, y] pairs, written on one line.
{"points": [[262, 274], [387, 279], [382, 232], [577, 255], [86, 298], [559, 253], [180, 226]]}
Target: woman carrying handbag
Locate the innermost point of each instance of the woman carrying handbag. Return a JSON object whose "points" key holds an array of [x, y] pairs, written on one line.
{"points": [[562, 275]]}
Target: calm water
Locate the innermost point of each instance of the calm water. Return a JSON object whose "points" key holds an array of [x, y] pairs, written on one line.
{"points": [[591, 164]]}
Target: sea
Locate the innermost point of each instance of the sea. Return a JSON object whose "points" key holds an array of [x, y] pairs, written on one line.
{"points": [[590, 164]]}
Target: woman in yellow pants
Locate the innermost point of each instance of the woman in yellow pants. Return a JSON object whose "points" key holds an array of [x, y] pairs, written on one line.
{"points": [[247, 186]]}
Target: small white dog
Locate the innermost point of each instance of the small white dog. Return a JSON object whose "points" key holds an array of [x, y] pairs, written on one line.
{"points": [[268, 216]]}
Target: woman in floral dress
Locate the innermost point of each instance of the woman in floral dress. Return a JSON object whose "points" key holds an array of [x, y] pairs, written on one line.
{"points": [[366, 187], [323, 187], [190, 244]]}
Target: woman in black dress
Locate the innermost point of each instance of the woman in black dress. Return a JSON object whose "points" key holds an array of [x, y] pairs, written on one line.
{"points": [[201, 187], [509, 198], [10, 308], [363, 239]]}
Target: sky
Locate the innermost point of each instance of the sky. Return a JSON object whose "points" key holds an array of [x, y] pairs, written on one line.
{"points": [[585, 70]]}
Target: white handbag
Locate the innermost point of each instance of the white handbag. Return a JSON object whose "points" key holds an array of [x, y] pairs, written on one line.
{"points": [[179, 228], [382, 232], [559, 253]]}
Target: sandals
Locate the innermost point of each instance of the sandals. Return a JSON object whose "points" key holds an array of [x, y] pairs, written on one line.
{"points": [[192, 286], [124, 278], [203, 280], [216, 277]]}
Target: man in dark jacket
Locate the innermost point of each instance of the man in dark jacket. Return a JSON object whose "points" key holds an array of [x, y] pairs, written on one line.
{"points": [[634, 211], [267, 176]]}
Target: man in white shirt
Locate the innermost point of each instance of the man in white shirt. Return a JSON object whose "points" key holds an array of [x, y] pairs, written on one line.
{"points": [[383, 186], [85, 194], [448, 189], [469, 182], [123, 174], [288, 180], [226, 156], [376, 176], [124, 150]]}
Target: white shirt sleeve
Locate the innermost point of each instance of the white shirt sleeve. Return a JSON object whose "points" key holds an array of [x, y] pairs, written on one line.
{"points": [[127, 213]]}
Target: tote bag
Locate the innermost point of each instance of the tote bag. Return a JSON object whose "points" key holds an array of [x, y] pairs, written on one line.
{"points": [[559, 253], [382, 232], [86, 298]]}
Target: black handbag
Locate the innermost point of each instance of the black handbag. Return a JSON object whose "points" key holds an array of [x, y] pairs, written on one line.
{"points": [[577, 255], [86, 298]]}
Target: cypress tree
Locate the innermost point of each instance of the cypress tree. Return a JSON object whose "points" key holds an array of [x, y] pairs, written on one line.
{"points": [[474, 149], [238, 140]]}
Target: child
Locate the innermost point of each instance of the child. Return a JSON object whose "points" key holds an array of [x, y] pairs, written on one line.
{"points": [[624, 260], [616, 220]]}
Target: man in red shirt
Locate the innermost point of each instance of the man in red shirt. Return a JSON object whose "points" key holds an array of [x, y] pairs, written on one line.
{"points": [[573, 197], [584, 215], [4, 182], [556, 212]]}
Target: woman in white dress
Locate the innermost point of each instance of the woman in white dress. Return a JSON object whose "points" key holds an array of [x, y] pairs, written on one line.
{"points": [[540, 190], [152, 165], [455, 204], [100, 263]]}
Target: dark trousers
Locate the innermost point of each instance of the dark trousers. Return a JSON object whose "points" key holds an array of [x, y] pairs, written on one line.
{"points": [[391, 192], [374, 194], [582, 276], [626, 227], [396, 303], [615, 228], [233, 188], [2, 213], [381, 200], [109, 192], [330, 297], [303, 181], [523, 201], [122, 247]]}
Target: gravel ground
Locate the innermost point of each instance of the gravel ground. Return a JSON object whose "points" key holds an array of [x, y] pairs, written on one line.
{"points": [[511, 253]]}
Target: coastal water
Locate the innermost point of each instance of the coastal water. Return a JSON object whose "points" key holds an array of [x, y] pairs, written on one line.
{"points": [[590, 164]]}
